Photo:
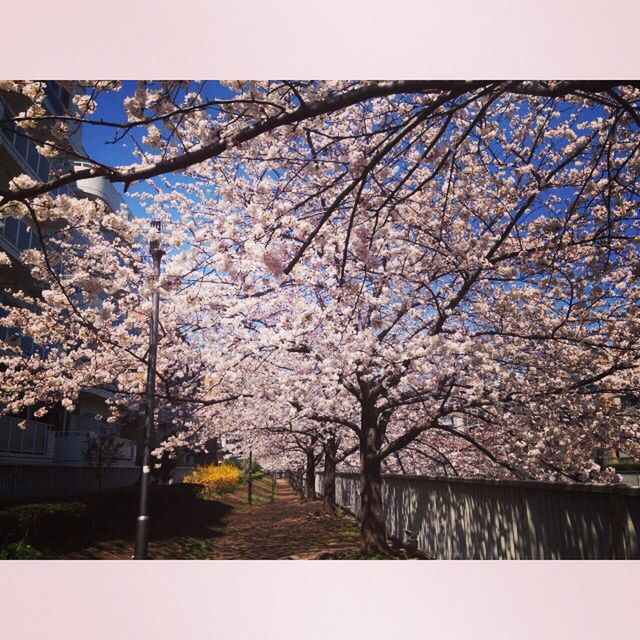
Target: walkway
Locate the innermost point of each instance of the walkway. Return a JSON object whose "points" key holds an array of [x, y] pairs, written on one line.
{"points": [[185, 526], [285, 528]]}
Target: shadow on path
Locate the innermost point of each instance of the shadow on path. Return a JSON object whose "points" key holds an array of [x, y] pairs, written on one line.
{"points": [[283, 528], [186, 526]]}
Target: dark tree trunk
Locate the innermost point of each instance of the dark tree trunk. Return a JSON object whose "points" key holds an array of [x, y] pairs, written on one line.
{"points": [[292, 476], [215, 452], [329, 477], [298, 484], [373, 540], [310, 477]]}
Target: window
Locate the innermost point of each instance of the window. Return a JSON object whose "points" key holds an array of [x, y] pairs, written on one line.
{"points": [[21, 143], [51, 91], [26, 344], [10, 229], [35, 241], [33, 156], [64, 98], [43, 169], [8, 129], [24, 237]]}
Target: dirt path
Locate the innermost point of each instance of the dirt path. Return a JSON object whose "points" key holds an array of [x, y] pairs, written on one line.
{"points": [[186, 526], [284, 528]]}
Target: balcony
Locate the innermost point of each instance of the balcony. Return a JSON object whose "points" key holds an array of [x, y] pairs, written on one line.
{"points": [[70, 447], [33, 444], [38, 444]]}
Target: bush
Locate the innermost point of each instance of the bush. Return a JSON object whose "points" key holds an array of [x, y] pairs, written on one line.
{"points": [[216, 479], [42, 523], [19, 551]]}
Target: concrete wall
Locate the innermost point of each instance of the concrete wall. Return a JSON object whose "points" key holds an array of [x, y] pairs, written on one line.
{"points": [[486, 519], [18, 481]]}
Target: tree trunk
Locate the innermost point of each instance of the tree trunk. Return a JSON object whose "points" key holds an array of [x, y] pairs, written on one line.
{"points": [[310, 477], [215, 452], [329, 477], [373, 540], [295, 479]]}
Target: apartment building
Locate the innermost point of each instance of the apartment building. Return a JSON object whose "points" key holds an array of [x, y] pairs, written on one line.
{"points": [[48, 457]]}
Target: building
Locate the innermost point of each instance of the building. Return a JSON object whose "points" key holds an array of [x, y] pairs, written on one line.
{"points": [[48, 457]]}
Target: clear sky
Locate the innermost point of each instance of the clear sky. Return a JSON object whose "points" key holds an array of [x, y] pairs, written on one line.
{"points": [[101, 142]]}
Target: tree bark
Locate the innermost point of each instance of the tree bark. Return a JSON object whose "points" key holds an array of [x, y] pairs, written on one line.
{"points": [[215, 451], [310, 477], [329, 477], [373, 540], [294, 480]]}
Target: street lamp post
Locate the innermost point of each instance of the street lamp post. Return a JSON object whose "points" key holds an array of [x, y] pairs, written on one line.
{"points": [[250, 481], [142, 524]]}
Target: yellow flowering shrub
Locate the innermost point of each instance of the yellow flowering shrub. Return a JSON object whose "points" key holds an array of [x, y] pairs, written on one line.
{"points": [[216, 479]]}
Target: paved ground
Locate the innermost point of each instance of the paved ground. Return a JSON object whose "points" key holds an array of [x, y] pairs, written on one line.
{"points": [[185, 526], [285, 528]]}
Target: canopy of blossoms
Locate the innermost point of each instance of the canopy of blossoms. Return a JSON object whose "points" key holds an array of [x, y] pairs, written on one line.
{"points": [[438, 277]]}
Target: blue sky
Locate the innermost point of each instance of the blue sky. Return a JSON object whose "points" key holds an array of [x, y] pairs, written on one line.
{"points": [[99, 143]]}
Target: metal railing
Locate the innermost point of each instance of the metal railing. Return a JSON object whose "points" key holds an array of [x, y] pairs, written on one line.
{"points": [[71, 446], [31, 440]]}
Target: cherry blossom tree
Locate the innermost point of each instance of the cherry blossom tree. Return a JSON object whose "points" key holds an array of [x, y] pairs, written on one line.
{"points": [[444, 271], [464, 272], [89, 317]]}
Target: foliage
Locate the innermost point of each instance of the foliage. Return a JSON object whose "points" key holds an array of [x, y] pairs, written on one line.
{"points": [[440, 274], [42, 522], [198, 550], [19, 551], [216, 479]]}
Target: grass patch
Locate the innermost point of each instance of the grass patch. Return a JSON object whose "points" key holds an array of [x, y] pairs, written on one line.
{"points": [[260, 492], [20, 551], [197, 550]]}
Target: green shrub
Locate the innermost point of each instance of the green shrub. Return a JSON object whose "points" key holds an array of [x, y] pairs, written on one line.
{"points": [[19, 551], [48, 522]]}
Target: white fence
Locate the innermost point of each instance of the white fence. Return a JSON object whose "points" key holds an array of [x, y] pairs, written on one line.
{"points": [[32, 481], [485, 519], [32, 443], [36, 443], [70, 449], [632, 478]]}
